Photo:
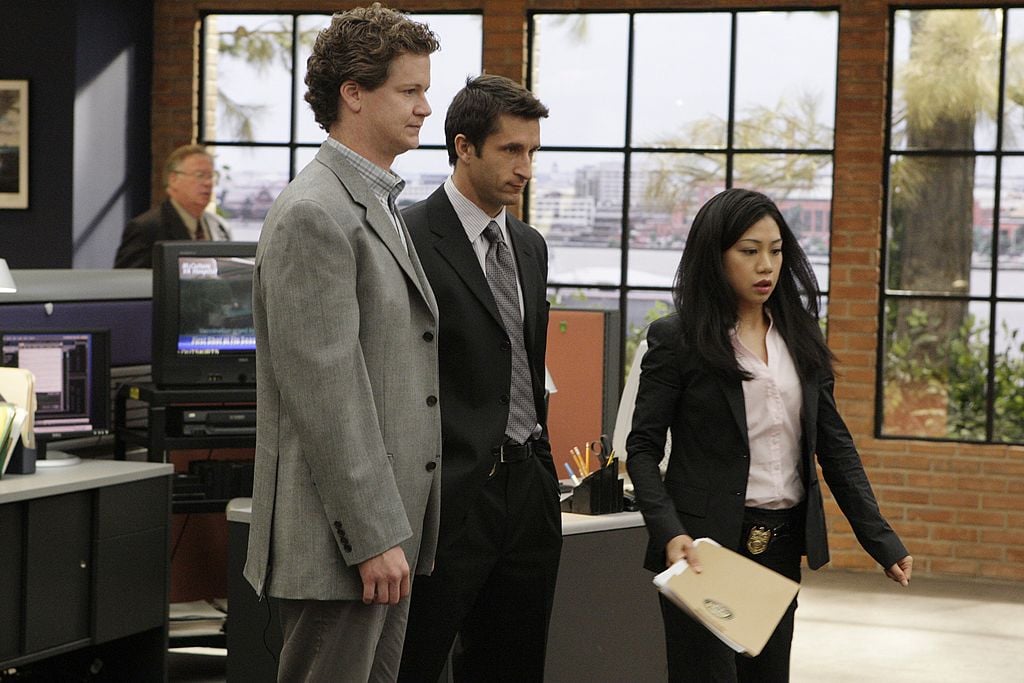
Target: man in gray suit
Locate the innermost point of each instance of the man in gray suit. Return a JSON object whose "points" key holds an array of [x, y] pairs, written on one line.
{"points": [[348, 443]]}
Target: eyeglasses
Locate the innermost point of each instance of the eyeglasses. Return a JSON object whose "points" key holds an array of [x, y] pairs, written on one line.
{"points": [[201, 176]]}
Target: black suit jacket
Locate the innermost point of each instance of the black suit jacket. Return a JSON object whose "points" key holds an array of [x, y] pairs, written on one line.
{"points": [[475, 357], [159, 224], [704, 489]]}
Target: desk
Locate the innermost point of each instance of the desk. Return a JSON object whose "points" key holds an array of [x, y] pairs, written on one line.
{"points": [[85, 570], [605, 626]]}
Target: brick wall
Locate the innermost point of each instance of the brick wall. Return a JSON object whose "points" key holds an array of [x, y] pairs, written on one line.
{"points": [[958, 507]]}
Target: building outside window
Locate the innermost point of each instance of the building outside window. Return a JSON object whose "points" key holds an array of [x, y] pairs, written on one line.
{"points": [[652, 113], [952, 348]]}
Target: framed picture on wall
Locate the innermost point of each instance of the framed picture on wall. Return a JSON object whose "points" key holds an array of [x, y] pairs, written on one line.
{"points": [[13, 144]]}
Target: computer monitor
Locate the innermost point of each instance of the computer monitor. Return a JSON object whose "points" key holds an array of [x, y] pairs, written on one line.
{"points": [[72, 373], [203, 331]]}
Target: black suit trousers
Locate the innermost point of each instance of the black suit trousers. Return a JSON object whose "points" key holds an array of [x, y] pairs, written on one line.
{"points": [[697, 656], [493, 584]]}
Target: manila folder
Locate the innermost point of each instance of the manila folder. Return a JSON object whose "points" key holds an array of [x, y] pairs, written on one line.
{"points": [[738, 600]]}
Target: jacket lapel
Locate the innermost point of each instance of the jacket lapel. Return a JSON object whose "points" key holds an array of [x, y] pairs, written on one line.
{"points": [[734, 397], [453, 246], [376, 217]]}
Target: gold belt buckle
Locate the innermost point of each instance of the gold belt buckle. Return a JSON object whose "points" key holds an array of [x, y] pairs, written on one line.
{"points": [[758, 539]]}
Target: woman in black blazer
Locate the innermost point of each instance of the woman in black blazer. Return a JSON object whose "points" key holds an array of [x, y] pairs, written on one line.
{"points": [[741, 376]]}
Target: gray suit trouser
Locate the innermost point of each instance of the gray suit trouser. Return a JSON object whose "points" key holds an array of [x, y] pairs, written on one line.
{"points": [[341, 640]]}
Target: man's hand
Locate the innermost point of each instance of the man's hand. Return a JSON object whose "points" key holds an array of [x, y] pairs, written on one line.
{"points": [[385, 577], [900, 572], [681, 548]]}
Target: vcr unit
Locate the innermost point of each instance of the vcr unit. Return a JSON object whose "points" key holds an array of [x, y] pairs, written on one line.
{"points": [[212, 421]]}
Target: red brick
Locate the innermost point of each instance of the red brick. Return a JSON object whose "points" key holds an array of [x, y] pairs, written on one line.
{"points": [[1013, 572], [992, 519], [980, 552], [952, 533]]}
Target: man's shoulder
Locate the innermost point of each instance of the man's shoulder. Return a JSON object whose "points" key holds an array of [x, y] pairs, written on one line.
{"points": [[151, 216]]}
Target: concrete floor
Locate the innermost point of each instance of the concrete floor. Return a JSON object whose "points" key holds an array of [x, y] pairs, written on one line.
{"points": [[854, 627], [857, 627]]}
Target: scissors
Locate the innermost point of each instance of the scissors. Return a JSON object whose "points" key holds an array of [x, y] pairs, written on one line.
{"points": [[602, 448]]}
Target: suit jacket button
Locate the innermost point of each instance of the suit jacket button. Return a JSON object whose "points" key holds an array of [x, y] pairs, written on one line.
{"points": [[431, 400], [428, 336], [506, 345], [431, 466], [504, 398], [347, 548]]}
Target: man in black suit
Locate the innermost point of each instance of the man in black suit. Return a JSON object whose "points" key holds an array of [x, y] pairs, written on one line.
{"points": [[188, 179], [500, 540]]}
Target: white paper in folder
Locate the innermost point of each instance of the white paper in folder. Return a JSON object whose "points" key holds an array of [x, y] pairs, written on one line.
{"points": [[18, 386], [735, 598]]}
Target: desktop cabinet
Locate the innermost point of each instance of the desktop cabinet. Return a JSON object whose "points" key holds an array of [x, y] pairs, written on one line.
{"points": [[84, 566]]}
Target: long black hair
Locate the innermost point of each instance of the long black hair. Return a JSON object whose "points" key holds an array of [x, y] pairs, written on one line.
{"points": [[706, 303]]}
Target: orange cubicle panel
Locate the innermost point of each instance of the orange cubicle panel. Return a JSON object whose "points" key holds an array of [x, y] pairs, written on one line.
{"points": [[583, 361]]}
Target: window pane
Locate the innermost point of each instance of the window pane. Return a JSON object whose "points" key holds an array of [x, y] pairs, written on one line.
{"points": [[786, 79], [935, 204], [955, 111], [666, 192], [304, 155], [1011, 229], [248, 77], [936, 362], [307, 129], [681, 96], [576, 203], [644, 307], [1009, 393], [1013, 107], [424, 170], [579, 72], [461, 55], [250, 180]]}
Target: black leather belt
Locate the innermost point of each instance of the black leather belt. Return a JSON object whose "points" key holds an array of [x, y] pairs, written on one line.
{"points": [[513, 452], [761, 527]]}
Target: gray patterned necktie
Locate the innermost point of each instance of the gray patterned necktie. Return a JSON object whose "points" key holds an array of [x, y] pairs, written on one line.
{"points": [[501, 276]]}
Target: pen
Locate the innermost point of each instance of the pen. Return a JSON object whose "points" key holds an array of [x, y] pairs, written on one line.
{"points": [[572, 475], [588, 457], [579, 461]]}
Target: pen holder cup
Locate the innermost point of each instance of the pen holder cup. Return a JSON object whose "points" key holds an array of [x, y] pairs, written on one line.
{"points": [[23, 460], [598, 494]]}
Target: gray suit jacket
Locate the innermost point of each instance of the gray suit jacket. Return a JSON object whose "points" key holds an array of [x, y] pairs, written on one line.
{"points": [[348, 437]]}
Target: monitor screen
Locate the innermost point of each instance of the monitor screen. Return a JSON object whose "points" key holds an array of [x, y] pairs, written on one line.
{"points": [[72, 373], [215, 305], [203, 330]]}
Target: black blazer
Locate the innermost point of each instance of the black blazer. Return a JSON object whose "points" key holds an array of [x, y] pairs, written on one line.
{"points": [[475, 357], [159, 224], [704, 489]]}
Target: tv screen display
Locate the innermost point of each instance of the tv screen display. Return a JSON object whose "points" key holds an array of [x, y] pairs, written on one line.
{"points": [[72, 376], [203, 332]]}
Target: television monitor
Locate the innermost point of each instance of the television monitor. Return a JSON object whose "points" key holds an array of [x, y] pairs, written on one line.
{"points": [[203, 332], [72, 373]]}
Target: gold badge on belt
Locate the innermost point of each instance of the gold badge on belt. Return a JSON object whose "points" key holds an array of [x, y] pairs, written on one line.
{"points": [[757, 540]]}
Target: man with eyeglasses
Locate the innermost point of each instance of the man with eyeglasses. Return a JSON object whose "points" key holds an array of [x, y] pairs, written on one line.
{"points": [[188, 179]]}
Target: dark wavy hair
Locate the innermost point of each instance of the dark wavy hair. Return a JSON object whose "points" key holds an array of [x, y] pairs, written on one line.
{"points": [[475, 109], [706, 302], [359, 46]]}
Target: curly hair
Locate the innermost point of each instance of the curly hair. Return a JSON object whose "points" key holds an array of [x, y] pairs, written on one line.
{"points": [[359, 46]]}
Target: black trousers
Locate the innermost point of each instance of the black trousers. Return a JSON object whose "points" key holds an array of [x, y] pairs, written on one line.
{"points": [[493, 584], [697, 656]]}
